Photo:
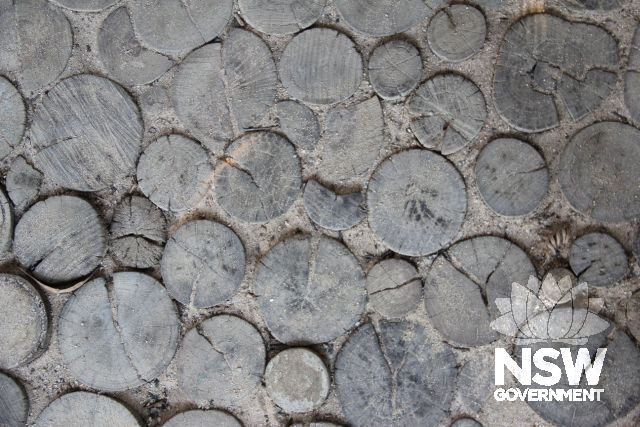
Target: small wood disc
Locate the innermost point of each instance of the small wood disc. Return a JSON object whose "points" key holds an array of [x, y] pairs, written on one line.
{"points": [[352, 142], [545, 61], [117, 335], [80, 409], [395, 68], [122, 54], [320, 66], [466, 422], [596, 167], [200, 418], [457, 32], [85, 5], [299, 123], [23, 322], [138, 233], [192, 23], [174, 173], [512, 176], [632, 78], [259, 178], [203, 264], [297, 380], [310, 290], [472, 274], [382, 17], [331, 210], [35, 42], [251, 77], [449, 112], [87, 132], [598, 259], [14, 404], [23, 183], [6, 227], [417, 202], [221, 361], [13, 116], [198, 97], [60, 239], [394, 287], [384, 373], [281, 16]]}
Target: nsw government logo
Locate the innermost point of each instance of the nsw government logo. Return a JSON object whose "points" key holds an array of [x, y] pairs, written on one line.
{"points": [[551, 324]]}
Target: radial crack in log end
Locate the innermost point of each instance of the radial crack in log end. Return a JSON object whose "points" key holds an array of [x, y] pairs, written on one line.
{"points": [[259, 178], [203, 264], [317, 283]]}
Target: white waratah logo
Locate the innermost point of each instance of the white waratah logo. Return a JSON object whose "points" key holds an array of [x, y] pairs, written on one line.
{"points": [[559, 312]]}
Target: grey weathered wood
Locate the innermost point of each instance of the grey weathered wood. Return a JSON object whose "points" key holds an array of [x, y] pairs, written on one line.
{"points": [[119, 334], [316, 282], [448, 112], [320, 66], [316, 424], [198, 96], [35, 42], [383, 17], [476, 381], [545, 61], [6, 227], [13, 117], [259, 177], [192, 23], [23, 183], [472, 274], [14, 404], [619, 377], [200, 418], [85, 5], [331, 210], [250, 77], [174, 172], [297, 380], [60, 239], [595, 170], [80, 408], [632, 78], [203, 264], [416, 201], [512, 176], [598, 259], [394, 287], [123, 56], [384, 374], [457, 32], [352, 142], [395, 68], [281, 16], [466, 422], [633, 315], [23, 322], [221, 361], [299, 123], [138, 232], [598, 5], [87, 132]]}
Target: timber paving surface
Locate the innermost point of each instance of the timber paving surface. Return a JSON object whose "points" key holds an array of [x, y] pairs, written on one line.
{"points": [[305, 212]]}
